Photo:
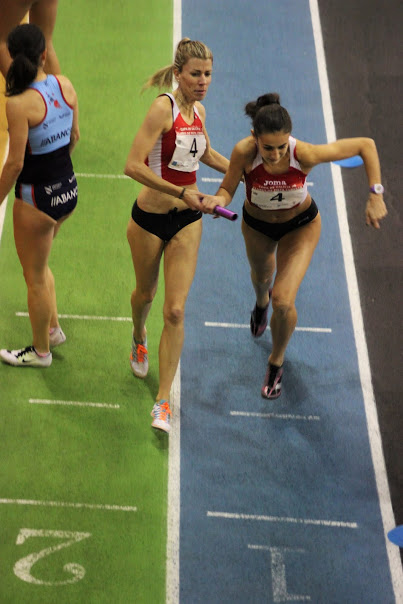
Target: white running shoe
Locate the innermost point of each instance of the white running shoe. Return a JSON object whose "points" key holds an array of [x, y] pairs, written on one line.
{"points": [[139, 358], [26, 357], [161, 413], [57, 337]]}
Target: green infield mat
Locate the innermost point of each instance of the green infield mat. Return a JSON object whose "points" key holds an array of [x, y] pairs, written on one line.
{"points": [[83, 480]]}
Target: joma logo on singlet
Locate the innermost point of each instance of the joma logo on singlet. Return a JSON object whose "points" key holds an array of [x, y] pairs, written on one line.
{"points": [[271, 183], [55, 137], [64, 197]]}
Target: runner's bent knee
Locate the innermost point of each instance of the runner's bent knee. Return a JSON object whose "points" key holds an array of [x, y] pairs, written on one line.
{"points": [[144, 296]]}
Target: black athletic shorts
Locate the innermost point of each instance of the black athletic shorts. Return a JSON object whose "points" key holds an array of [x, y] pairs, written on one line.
{"points": [[56, 199], [164, 226], [277, 230]]}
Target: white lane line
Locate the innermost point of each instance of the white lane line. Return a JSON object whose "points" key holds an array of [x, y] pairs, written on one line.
{"points": [[173, 514], [307, 418], [112, 176], [306, 521], [44, 401], [247, 326], [172, 574], [83, 317], [66, 504], [371, 412], [206, 323], [267, 548]]}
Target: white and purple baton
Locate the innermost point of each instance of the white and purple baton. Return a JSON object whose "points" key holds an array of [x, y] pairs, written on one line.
{"points": [[225, 213]]}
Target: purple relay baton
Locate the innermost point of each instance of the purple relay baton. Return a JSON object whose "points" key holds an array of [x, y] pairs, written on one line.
{"points": [[225, 213]]}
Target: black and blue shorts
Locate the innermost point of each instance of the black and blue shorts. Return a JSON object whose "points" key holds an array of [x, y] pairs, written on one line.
{"points": [[277, 230], [164, 226], [56, 199]]}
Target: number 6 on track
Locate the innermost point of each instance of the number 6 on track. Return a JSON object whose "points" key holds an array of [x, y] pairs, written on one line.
{"points": [[22, 568]]}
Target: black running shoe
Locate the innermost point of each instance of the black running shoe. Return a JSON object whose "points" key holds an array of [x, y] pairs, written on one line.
{"points": [[258, 321], [272, 382]]}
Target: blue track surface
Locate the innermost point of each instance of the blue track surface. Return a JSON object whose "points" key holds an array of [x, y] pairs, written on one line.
{"points": [[303, 476]]}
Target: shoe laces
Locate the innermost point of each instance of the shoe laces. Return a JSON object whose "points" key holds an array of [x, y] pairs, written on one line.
{"points": [[140, 354], [162, 411], [24, 351]]}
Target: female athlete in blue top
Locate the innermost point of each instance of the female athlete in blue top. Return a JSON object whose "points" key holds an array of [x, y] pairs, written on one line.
{"points": [[42, 114]]}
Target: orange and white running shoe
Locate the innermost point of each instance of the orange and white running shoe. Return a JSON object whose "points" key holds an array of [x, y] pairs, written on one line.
{"points": [[139, 358], [162, 416]]}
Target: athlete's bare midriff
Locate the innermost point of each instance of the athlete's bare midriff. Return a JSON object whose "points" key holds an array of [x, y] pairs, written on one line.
{"points": [[278, 216], [156, 202]]}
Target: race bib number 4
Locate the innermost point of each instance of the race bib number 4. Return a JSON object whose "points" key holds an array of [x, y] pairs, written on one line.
{"points": [[189, 149], [275, 200]]}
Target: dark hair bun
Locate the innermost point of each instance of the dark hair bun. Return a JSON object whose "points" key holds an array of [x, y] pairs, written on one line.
{"points": [[268, 115], [271, 98]]}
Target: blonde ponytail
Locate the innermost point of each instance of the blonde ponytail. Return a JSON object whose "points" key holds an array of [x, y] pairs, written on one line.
{"points": [[186, 49]]}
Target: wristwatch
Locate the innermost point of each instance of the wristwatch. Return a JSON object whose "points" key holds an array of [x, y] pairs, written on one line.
{"points": [[377, 188]]}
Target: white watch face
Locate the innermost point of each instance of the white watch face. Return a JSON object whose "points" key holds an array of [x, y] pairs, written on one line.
{"points": [[377, 189]]}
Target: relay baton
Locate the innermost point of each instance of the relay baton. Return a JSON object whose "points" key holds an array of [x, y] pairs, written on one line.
{"points": [[225, 213]]}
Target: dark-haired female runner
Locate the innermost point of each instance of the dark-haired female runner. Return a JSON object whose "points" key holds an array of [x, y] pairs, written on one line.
{"points": [[281, 222], [42, 115]]}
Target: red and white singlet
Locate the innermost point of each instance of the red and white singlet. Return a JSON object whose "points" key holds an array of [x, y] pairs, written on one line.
{"points": [[276, 191], [175, 156]]}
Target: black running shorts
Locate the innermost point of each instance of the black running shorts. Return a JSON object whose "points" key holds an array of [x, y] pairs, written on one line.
{"points": [[164, 226], [277, 230]]}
